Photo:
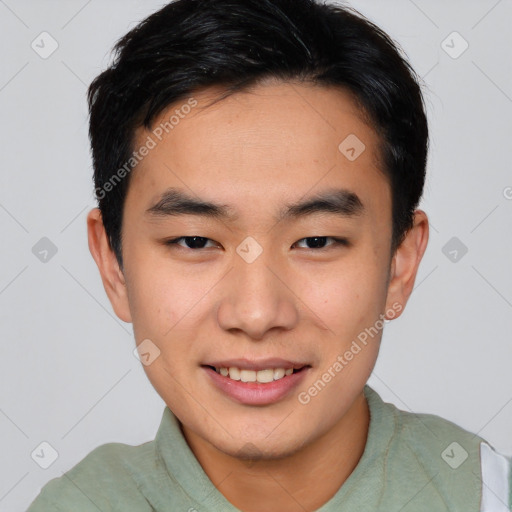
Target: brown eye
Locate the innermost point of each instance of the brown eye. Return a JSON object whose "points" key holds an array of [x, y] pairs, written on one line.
{"points": [[191, 242], [319, 242]]}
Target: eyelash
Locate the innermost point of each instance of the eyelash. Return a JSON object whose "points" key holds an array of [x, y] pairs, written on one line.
{"points": [[337, 242]]}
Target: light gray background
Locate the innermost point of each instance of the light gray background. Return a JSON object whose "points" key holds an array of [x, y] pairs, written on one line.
{"points": [[67, 372]]}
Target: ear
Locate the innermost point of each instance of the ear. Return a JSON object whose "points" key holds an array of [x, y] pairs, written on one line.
{"points": [[111, 274], [405, 263]]}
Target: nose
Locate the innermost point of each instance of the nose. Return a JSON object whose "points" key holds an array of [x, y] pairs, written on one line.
{"points": [[257, 297]]}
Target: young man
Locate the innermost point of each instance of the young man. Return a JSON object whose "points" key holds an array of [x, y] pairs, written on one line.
{"points": [[258, 164]]}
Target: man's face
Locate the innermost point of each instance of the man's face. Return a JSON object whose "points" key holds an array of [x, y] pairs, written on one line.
{"points": [[256, 286]]}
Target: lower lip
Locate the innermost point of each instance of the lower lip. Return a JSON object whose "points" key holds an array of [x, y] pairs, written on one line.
{"points": [[256, 393]]}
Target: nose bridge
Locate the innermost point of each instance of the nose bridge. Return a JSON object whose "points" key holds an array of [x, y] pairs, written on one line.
{"points": [[255, 280], [254, 298]]}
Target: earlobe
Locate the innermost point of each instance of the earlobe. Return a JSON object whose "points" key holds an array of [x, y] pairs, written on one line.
{"points": [[111, 275], [406, 261]]}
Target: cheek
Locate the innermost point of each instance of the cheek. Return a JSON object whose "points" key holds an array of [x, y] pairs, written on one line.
{"points": [[152, 309], [347, 297], [162, 297], [166, 306], [169, 307]]}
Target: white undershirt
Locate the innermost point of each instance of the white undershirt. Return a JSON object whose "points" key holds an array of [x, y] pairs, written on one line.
{"points": [[495, 480]]}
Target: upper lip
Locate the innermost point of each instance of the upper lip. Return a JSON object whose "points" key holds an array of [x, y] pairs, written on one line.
{"points": [[257, 364]]}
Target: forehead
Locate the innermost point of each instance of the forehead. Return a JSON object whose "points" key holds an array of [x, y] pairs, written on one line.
{"points": [[274, 141]]}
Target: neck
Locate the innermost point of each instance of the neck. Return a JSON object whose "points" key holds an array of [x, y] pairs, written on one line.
{"points": [[303, 481]]}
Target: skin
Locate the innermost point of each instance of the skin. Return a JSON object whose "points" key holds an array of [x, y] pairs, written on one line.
{"points": [[256, 151]]}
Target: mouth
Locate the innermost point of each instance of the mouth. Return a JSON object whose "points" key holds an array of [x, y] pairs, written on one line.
{"points": [[262, 376], [256, 383]]}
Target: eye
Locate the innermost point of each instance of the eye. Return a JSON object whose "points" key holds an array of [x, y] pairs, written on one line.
{"points": [[318, 242], [192, 242], [197, 243]]}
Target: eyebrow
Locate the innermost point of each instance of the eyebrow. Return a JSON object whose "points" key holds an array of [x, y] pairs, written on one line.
{"points": [[341, 202]]}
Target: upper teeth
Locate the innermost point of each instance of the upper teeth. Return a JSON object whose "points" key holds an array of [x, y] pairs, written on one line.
{"points": [[267, 375]]}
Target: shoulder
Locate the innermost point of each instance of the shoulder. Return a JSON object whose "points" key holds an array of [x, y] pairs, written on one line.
{"points": [[105, 479], [459, 462], [435, 431]]}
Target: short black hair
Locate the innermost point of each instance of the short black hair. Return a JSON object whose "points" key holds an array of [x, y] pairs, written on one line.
{"points": [[190, 45]]}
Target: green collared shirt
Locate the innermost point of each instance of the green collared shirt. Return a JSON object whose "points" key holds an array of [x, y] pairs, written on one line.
{"points": [[411, 463]]}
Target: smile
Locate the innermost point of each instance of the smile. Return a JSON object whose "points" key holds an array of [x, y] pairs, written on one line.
{"points": [[262, 376], [263, 384]]}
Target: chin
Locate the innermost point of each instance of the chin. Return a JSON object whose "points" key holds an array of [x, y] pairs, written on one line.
{"points": [[260, 448]]}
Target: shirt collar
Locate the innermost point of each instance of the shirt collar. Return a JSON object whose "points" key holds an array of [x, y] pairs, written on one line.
{"points": [[183, 466]]}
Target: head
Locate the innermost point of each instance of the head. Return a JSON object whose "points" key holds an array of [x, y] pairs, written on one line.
{"points": [[289, 137]]}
